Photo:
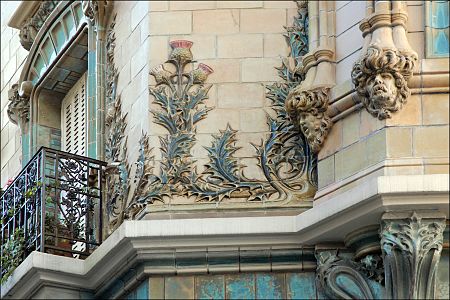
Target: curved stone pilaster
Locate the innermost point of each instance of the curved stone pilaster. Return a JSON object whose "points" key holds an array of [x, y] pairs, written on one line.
{"points": [[411, 244]]}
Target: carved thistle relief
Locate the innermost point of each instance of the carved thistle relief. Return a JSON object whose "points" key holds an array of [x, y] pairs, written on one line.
{"points": [[180, 91]]}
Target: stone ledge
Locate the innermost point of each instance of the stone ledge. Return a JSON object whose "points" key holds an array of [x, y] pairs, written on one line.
{"points": [[137, 242]]}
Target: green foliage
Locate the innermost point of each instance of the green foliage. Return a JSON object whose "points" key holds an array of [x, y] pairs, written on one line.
{"points": [[13, 251]]}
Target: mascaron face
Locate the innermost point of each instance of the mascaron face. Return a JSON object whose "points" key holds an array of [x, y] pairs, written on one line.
{"points": [[381, 88], [311, 128]]}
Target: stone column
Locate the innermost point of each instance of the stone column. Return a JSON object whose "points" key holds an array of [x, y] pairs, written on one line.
{"points": [[411, 244]]}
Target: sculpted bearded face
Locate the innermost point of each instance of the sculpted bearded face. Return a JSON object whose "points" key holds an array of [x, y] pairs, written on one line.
{"points": [[313, 129], [382, 90]]}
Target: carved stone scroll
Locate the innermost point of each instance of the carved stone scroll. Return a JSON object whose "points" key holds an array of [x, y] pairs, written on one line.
{"points": [[340, 277], [411, 245]]}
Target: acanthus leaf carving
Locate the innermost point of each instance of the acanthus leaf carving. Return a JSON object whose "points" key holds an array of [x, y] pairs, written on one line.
{"points": [[411, 249], [380, 78], [19, 107], [341, 278]]}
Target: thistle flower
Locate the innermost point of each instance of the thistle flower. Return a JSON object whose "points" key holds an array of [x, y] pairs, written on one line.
{"points": [[181, 51], [160, 74], [200, 74]]}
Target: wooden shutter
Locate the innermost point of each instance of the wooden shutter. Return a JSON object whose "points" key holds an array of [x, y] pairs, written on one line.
{"points": [[73, 118]]}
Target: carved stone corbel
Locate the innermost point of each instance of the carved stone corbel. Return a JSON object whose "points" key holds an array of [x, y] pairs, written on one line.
{"points": [[19, 106], [308, 109], [380, 78], [340, 277], [95, 11], [411, 244], [387, 61]]}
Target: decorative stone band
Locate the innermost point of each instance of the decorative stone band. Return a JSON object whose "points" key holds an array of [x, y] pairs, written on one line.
{"points": [[32, 25], [19, 105], [380, 78], [308, 111], [411, 244]]}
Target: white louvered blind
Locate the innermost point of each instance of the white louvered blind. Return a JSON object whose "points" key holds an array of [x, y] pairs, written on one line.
{"points": [[73, 118]]}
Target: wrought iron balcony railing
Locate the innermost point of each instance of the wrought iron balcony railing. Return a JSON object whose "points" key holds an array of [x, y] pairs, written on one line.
{"points": [[55, 206]]}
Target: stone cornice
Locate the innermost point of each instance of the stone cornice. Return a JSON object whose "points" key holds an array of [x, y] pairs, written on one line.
{"points": [[148, 240], [25, 10]]}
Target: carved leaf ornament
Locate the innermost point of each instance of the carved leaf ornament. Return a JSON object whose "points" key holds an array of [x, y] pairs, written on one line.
{"points": [[180, 91]]}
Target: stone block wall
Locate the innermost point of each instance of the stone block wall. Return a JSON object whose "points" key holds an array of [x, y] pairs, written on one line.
{"points": [[13, 56], [242, 41], [415, 141]]}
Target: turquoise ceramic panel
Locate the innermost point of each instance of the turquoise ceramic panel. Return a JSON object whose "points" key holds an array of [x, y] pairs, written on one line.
{"points": [[439, 14], [179, 287], [441, 41], [69, 23], [270, 286], [210, 287], [301, 285], [142, 290], [78, 12], [59, 36], [39, 65], [240, 286], [48, 49], [438, 29]]}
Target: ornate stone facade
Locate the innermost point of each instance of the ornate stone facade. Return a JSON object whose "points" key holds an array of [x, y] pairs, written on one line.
{"points": [[411, 245], [308, 109], [32, 25], [386, 64]]}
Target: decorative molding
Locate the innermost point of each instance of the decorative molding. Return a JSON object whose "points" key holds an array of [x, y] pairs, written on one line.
{"points": [[411, 245], [341, 278], [19, 104], [180, 90], [30, 28], [307, 103], [95, 11], [118, 170], [380, 78], [308, 109]]}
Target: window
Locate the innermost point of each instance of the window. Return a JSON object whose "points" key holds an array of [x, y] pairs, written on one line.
{"points": [[437, 28], [73, 119]]}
